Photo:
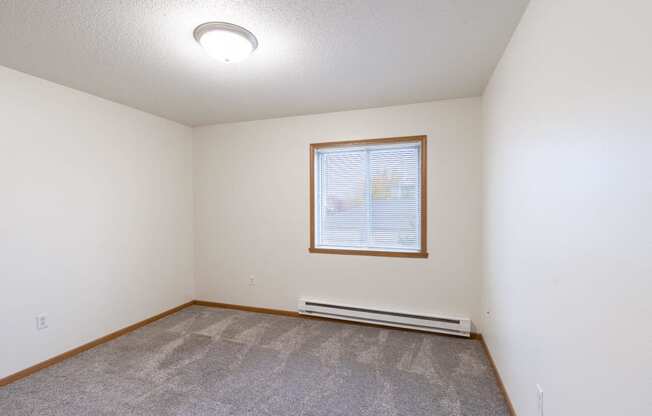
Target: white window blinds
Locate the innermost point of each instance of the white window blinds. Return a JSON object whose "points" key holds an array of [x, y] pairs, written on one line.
{"points": [[368, 197]]}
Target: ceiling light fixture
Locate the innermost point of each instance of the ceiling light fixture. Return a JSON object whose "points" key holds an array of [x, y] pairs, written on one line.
{"points": [[226, 41]]}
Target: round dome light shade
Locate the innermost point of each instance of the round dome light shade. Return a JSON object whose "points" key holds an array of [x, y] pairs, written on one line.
{"points": [[226, 41]]}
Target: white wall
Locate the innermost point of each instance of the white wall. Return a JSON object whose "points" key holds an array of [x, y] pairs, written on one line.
{"points": [[251, 213], [568, 121], [95, 217]]}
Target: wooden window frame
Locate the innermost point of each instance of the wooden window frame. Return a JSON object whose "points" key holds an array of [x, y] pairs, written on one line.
{"points": [[422, 140]]}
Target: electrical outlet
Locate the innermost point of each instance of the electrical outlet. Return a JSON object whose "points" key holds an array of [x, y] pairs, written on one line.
{"points": [[41, 321], [252, 280], [540, 401]]}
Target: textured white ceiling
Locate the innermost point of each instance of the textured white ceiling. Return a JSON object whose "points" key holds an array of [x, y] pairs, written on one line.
{"points": [[314, 56]]}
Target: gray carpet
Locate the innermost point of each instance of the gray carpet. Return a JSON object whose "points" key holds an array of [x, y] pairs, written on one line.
{"points": [[206, 361]]}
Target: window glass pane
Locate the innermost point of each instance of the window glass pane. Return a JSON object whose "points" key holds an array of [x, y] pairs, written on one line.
{"points": [[343, 195], [394, 198]]}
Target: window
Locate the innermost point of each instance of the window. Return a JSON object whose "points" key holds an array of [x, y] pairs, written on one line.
{"points": [[369, 197]]}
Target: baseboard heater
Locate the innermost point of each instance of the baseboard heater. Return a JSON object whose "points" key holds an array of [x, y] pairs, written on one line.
{"points": [[430, 323]]}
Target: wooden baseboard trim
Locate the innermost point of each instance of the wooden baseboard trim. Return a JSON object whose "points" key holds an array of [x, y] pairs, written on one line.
{"points": [[56, 359], [295, 314], [501, 385], [248, 308]]}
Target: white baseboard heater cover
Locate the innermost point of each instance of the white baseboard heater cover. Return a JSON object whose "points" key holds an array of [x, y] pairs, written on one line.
{"points": [[430, 323]]}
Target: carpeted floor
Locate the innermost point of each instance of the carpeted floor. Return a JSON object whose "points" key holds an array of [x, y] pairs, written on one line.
{"points": [[206, 361]]}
